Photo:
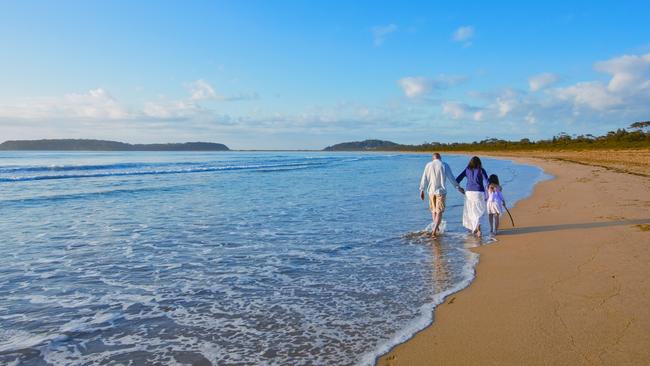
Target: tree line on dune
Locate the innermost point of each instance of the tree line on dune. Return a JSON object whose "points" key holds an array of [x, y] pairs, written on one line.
{"points": [[637, 135]]}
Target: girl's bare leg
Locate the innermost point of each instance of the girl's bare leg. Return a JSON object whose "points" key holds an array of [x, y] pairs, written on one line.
{"points": [[490, 218], [496, 223]]}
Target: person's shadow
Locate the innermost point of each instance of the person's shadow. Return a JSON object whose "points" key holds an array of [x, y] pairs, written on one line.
{"points": [[589, 225]]}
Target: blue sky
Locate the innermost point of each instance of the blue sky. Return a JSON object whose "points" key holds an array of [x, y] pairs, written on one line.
{"points": [[307, 74]]}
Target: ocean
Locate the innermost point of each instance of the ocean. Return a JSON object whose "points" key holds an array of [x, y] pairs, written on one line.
{"points": [[224, 258]]}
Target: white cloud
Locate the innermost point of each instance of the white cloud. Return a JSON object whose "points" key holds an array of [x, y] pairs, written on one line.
{"points": [[627, 90], [530, 118], [419, 86], [461, 111], [453, 110], [624, 96], [170, 110], [593, 94], [499, 106], [379, 33], [414, 87], [98, 105], [505, 105], [541, 81], [96, 114], [202, 90], [94, 104], [629, 72], [463, 34]]}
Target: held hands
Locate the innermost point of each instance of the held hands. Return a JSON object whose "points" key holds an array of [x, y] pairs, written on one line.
{"points": [[461, 190]]}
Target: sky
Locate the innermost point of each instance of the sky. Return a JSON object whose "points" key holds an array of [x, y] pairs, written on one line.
{"points": [[308, 74]]}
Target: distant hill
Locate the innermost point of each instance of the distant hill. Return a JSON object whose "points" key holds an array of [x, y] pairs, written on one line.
{"points": [[366, 145], [103, 145]]}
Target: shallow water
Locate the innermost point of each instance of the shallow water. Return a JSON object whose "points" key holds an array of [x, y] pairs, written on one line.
{"points": [[224, 258]]}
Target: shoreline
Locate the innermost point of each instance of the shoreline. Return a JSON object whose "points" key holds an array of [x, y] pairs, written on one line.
{"points": [[427, 317], [532, 300]]}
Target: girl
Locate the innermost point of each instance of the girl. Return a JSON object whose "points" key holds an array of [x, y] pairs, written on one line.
{"points": [[494, 203], [474, 195]]}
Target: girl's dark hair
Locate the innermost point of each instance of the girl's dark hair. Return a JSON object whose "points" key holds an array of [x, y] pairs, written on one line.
{"points": [[475, 163], [493, 179]]}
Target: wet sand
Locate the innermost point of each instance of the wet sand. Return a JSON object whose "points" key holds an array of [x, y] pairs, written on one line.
{"points": [[569, 285]]}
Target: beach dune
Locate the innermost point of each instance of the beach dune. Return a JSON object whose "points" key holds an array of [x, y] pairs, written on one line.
{"points": [[569, 285]]}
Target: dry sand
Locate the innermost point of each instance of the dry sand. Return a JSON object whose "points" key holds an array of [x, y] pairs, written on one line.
{"points": [[633, 161], [570, 285]]}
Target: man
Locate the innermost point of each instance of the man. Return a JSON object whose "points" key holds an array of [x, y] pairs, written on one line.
{"points": [[433, 181]]}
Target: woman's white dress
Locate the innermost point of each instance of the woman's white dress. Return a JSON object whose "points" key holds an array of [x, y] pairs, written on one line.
{"points": [[474, 209]]}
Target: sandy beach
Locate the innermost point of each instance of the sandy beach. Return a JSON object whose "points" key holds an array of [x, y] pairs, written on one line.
{"points": [[569, 285]]}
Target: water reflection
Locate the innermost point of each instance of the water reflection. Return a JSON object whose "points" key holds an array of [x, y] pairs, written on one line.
{"points": [[440, 266]]}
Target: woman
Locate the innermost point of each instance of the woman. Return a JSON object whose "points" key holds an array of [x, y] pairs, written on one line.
{"points": [[474, 194]]}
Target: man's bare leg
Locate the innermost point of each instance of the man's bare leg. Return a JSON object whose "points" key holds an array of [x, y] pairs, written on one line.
{"points": [[434, 217], [437, 217]]}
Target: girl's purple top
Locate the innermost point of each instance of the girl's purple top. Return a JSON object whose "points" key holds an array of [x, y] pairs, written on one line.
{"points": [[475, 179]]}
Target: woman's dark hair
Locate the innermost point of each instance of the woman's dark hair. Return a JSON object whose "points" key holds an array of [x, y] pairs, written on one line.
{"points": [[475, 163], [493, 179]]}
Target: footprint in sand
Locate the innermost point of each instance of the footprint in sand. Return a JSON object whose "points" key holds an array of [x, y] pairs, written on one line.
{"points": [[643, 227], [389, 359]]}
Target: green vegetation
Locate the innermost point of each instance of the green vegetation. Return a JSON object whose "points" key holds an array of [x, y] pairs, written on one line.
{"points": [[637, 136]]}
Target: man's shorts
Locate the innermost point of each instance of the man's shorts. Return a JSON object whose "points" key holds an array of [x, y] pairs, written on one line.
{"points": [[437, 203]]}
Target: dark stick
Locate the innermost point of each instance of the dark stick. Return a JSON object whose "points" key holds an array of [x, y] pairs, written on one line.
{"points": [[511, 220]]}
